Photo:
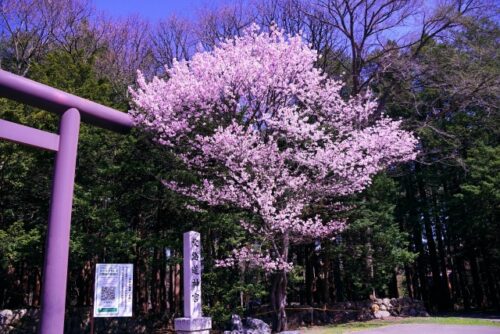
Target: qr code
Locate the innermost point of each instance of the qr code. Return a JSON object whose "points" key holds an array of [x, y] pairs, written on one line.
{"points": [[108, 293]]}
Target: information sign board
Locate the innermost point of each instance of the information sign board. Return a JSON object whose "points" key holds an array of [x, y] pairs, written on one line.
{"points": [[113, 290]]}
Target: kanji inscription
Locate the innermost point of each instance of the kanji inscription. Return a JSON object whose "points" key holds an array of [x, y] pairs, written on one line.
{"points": [[192, 275]]}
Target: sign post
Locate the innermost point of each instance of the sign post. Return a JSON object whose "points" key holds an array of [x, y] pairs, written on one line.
{"points": [[113, 290], [193, 321]]}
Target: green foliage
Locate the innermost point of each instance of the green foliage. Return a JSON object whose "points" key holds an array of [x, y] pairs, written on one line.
{"points": [[17, 244], [373, 246], [482, 186], [230, 291], [480, 199]]}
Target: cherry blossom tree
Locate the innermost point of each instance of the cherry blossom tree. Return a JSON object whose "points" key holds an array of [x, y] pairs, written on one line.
{"points": [[269, 133]]}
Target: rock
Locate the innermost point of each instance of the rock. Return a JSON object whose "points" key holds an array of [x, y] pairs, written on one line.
{"points": [[257, 326], [423, 314], [394, 311], [364, 316], [236, 324], [20, 313], [345, 311], [289, 332], [6, 317], [381, 314]]}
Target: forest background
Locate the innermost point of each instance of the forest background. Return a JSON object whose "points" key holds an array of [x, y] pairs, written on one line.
{"points": [[427, 229]]}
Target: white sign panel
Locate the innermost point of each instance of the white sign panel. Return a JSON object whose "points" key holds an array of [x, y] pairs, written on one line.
{"points": [[113, 290]]}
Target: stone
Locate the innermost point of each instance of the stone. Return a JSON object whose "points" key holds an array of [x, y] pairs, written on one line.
{"points": [[381, 314], [364, 316], [193, 320], [198, 325], [248, 326], [18, 314], [339, 313], [383, 307], [257, 325], [6, 317], [236, 324], [395, 311], [192, 274]]}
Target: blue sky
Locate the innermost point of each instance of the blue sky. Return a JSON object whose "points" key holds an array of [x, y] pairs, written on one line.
{"points": [[153, 10]]}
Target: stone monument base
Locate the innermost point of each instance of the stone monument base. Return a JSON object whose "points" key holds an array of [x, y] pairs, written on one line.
{"points": [[193, 325]]}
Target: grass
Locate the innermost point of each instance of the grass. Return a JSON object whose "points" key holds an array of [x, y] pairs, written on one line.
{"points": [[357, 326]]}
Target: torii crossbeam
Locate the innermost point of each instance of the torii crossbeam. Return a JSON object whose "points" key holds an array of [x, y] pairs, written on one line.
{"points": [[65, 144]]}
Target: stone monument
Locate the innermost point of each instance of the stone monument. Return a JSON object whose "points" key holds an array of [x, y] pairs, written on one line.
{"points": [[193, 320]]}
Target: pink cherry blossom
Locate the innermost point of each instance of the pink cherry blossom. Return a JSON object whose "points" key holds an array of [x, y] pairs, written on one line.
{"points": [[269, 133]]}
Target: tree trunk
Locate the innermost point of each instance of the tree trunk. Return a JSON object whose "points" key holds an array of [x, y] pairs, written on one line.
{"points": [[37, 287], [491, 283], [278, 293], [337, 278], [164, 283], [393, 285], [309, 273], [409, 281], [326, 272], [156, 282], [437, 287], [464, 283], [445, 282], [176, 274], [142, 288], [417, 239], [476, 280], [455, 285], [369, 263], [278, 300], [451, 249]]}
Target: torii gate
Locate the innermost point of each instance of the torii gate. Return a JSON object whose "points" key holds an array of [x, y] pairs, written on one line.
{"points": [[71, 108]]}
